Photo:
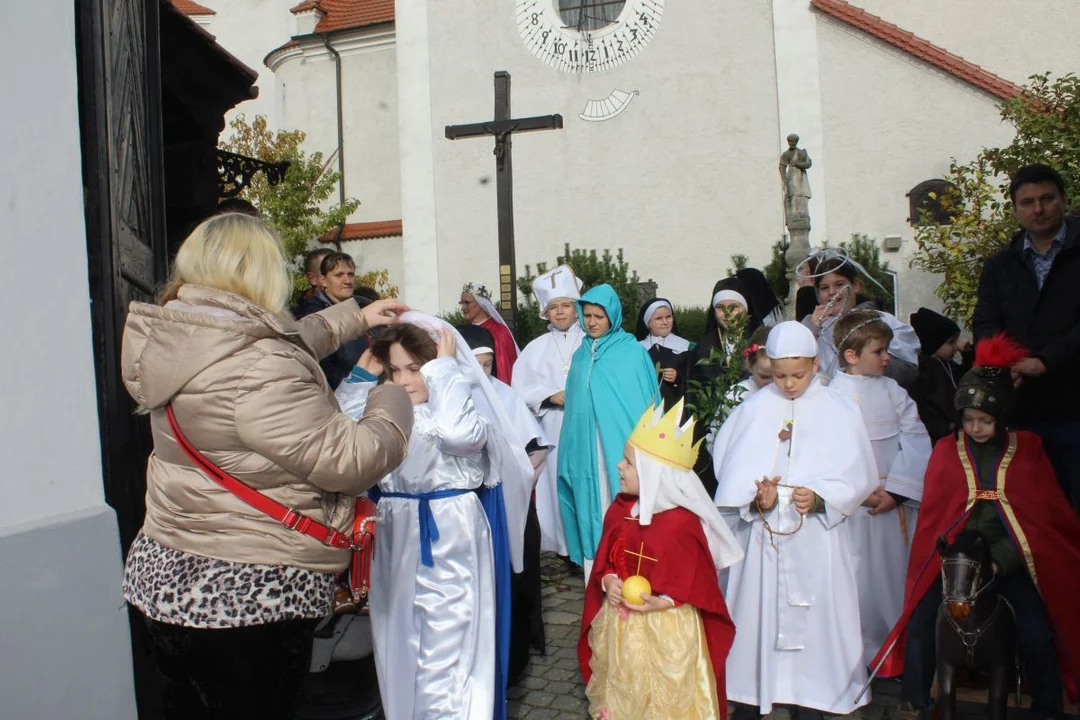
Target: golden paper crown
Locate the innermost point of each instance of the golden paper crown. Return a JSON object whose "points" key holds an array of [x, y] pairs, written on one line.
{"points": [[665, 440]]}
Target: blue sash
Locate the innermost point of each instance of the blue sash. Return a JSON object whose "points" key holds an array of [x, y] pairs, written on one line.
{"points": [[429, 531], [495, 509]]}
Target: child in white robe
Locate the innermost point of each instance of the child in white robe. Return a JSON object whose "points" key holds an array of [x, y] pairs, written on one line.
{"points": [[838, 282], [433, 597], [794, 461], [881, 530], [540, 378]]}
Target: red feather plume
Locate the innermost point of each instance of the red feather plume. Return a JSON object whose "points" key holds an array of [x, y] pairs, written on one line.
{"points": [[999, 351]]}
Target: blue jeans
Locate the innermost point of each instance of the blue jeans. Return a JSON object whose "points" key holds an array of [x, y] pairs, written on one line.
{"points": [[1062, 444]]}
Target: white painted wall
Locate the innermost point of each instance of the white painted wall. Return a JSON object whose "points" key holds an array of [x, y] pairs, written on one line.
{"points": [[683, 178], [249, 29], [74, 660], [307, 96], [892, 122], [378, 254], [1012, 38]]}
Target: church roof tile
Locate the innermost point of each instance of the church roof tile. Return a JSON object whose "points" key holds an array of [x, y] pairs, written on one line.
{"points": [[366, 231], [190, 7], [342, 14], [913, 44]]}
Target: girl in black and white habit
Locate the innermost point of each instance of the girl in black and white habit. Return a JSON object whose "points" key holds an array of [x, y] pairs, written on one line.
{"points": [[658, 332]]}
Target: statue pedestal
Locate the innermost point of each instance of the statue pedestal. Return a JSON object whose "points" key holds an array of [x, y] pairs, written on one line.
{"points": [[798, 250]]}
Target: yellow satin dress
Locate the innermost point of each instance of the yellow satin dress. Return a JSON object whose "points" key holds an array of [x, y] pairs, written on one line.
{"points": [[651, 666]]}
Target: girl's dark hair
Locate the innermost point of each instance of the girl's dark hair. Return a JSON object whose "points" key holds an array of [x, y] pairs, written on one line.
{"points": [[834, 266], [759, 338], [412, 338], [332, 260]]}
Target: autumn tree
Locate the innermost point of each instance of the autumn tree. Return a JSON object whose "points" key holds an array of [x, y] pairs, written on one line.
{"points": [[297, 206]]}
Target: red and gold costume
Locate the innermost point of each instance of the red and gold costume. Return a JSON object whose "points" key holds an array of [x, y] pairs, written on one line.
{"points": [[1037, 516], [676, 642]]}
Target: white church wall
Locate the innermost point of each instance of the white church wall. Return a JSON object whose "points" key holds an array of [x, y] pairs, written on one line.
{"points": [[892, 122], [306, 84], [1011, 38], [249, 29], [683, 178], [65, 650], [378, 254]]}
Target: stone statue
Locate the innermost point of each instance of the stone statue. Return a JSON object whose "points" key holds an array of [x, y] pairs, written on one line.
{"points": [[794, 163]]}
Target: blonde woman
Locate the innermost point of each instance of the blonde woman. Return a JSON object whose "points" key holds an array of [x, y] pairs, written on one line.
{"points": [[230, 595]]}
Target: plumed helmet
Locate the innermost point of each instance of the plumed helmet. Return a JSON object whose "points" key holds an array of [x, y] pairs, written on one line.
{"points": [[989, 385]]}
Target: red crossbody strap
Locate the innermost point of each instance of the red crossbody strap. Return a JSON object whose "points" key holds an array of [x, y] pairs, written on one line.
{"points": [[290, 518]]}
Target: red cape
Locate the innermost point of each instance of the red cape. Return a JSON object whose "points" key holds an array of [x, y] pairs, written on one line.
{"points": [[1038, 517], [683, 570], [505, 349]]}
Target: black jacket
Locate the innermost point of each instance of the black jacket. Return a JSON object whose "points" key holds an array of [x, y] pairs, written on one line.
{"points": [[934, 392], [1045, 321], [338, 364]]}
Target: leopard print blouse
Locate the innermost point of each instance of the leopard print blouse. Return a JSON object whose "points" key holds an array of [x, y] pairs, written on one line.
{"points": [[180, 588]]}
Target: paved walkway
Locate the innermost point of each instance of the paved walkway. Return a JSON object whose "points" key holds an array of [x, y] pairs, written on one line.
{"points": [[552, 686]]}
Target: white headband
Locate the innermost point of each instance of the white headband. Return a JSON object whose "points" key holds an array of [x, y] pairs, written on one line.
{"points": [[653, 307], [481, 350], [729, 295]]}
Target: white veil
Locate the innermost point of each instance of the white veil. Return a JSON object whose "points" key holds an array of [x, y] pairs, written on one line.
{"points": [[661, 487], [490, 309], [509, 464]]}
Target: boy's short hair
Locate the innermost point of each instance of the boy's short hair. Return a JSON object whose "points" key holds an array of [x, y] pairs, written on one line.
{"points": [[858, 329]]}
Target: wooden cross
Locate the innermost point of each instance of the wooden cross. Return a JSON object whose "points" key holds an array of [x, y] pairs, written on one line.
{"points": [[502, 128], [640, 555]]}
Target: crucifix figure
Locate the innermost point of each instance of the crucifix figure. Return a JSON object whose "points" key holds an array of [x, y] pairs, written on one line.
{"points": [[502, 128], [640, 555]]}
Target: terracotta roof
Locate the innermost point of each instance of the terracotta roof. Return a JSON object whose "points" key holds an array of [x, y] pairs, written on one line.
{"points": [[190, 7], [913, 44], [342, 14], [306, 5], [366, 231]]}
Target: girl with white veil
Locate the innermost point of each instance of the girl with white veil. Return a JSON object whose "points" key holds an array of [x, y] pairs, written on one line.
{"points": [[433, 597]]}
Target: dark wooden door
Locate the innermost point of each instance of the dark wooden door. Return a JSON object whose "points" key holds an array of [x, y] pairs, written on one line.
{"points": [[120, 115], [120, 121]]}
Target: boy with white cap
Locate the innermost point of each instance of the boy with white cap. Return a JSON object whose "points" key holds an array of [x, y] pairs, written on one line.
{"points": [[794, 461], [540, 378]]}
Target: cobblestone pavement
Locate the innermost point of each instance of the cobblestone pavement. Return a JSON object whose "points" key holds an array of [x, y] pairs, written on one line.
{"points": [[553, 688]]}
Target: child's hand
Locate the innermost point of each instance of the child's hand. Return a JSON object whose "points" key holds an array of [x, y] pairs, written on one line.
{"points": [[447, 343], [670, 375], [766, 493], [880, 502], [652, 603], [558, 398], [613, 589], [369, 363], [804, 499]]}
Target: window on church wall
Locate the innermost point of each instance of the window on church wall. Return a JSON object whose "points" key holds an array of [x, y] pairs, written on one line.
{"points": [[925, 206], [589, 14]]}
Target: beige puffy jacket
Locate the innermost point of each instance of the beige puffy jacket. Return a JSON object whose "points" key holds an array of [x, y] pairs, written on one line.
{"points": [[248, 393]]}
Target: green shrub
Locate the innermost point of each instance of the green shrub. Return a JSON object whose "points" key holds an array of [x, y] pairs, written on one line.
{"points": [[691, 320], [592, 269]]}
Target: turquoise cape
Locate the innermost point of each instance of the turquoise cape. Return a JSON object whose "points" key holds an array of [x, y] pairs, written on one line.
{"points": [[611, 383]]}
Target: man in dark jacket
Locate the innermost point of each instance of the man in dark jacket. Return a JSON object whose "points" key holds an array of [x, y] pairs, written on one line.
{"points": [[336, 274], [1031, 290]]}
